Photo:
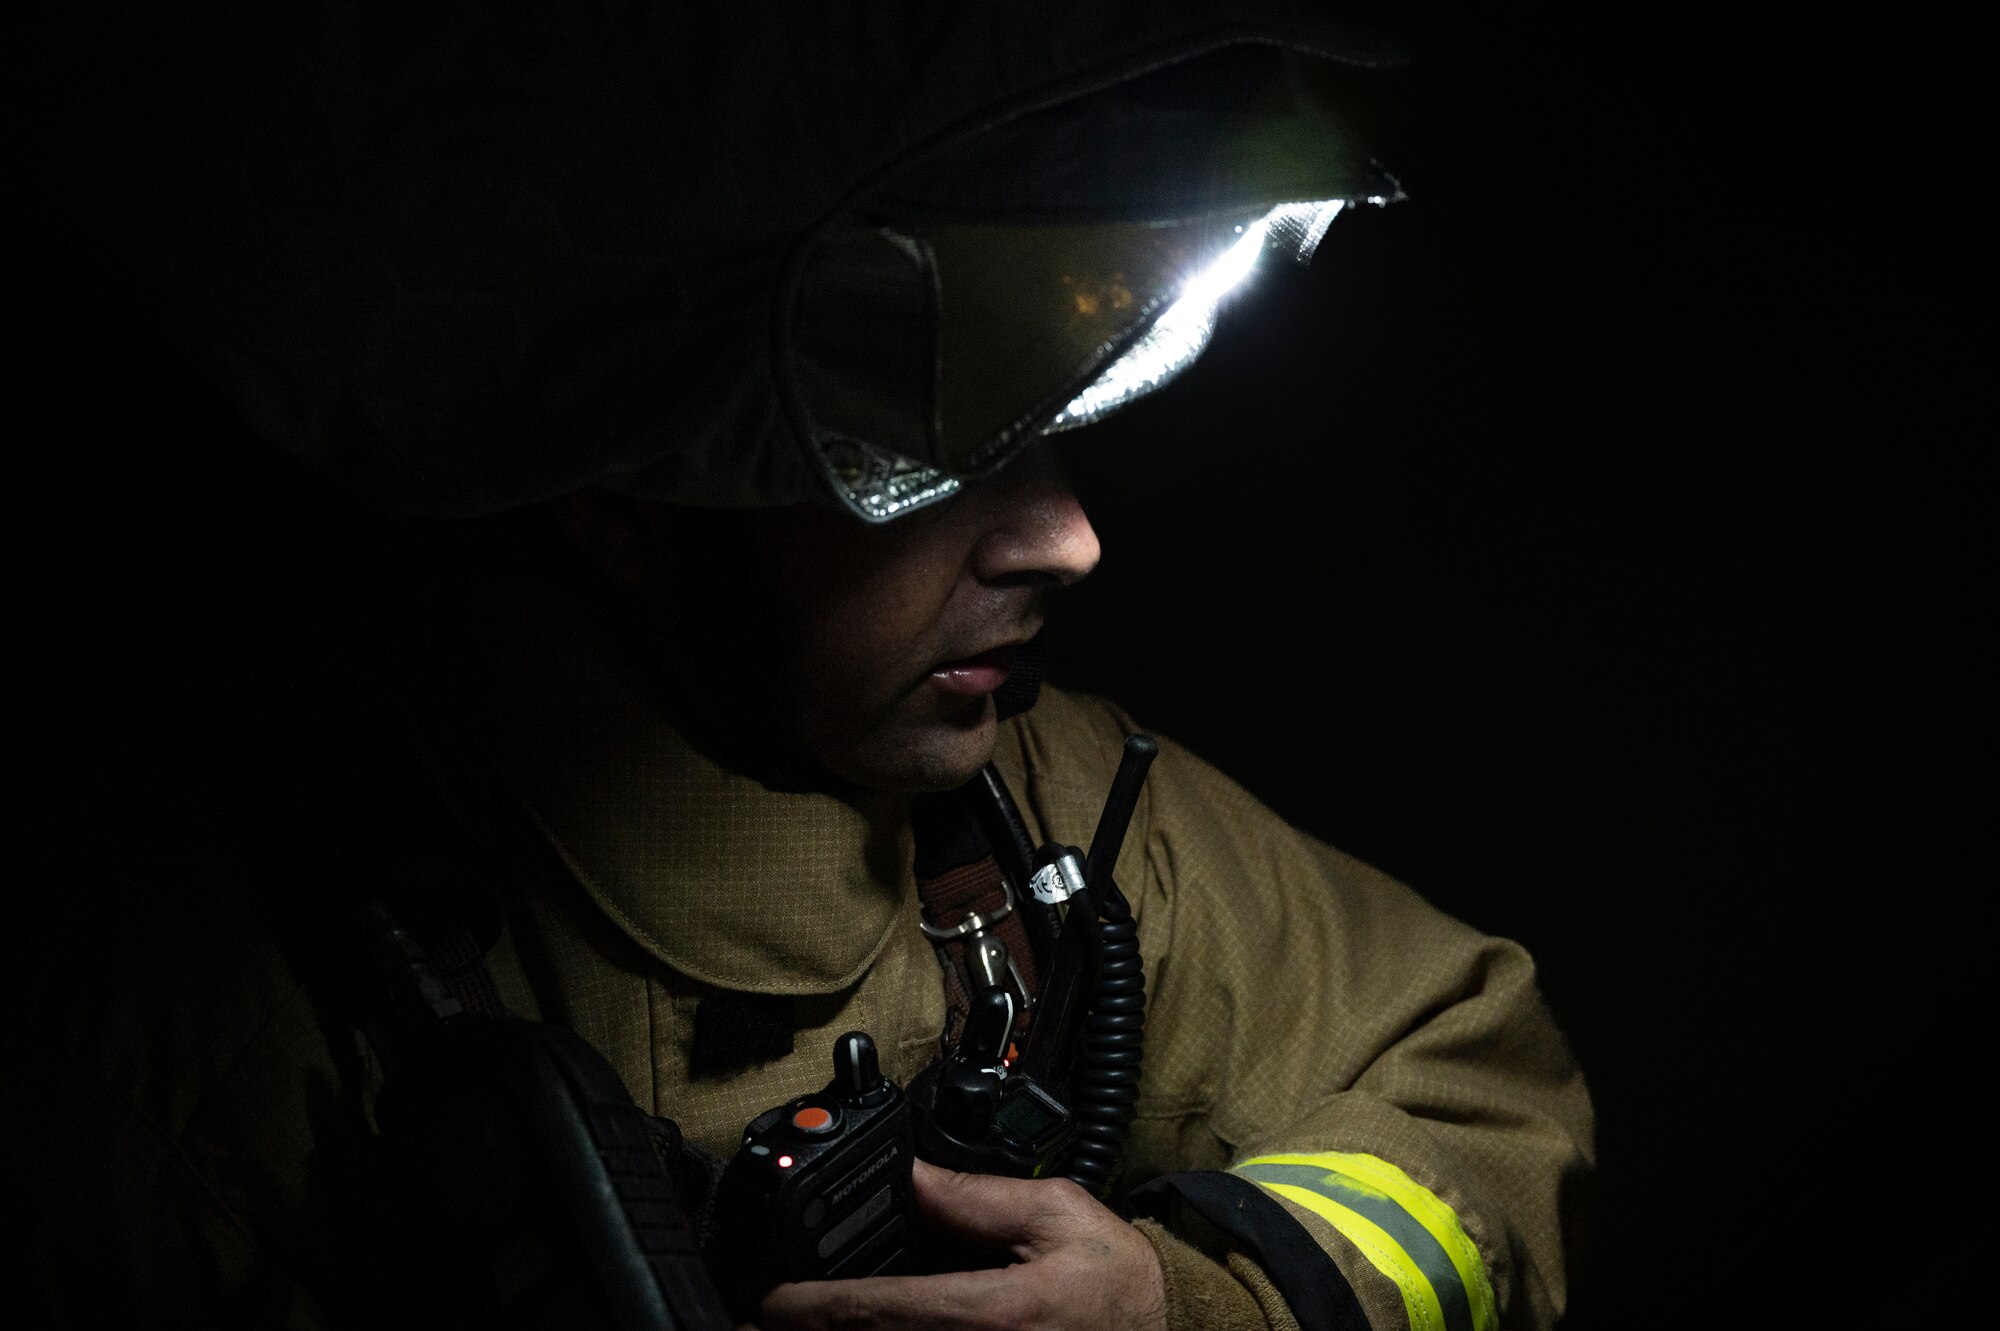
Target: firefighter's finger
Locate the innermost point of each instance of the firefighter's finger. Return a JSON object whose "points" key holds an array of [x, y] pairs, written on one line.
{"points": [[1025, 1215]]}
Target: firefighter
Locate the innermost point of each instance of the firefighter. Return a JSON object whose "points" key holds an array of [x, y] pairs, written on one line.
{"points": [[777, 350]]}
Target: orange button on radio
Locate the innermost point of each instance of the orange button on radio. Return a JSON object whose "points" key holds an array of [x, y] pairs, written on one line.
{"points": [[812, 1119]]}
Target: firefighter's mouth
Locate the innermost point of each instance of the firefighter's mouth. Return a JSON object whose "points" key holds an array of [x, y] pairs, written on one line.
{"points": [[975, 676]]}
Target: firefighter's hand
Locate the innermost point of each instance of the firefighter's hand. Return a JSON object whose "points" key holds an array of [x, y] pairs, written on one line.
{"points": [[1076, 1264]]}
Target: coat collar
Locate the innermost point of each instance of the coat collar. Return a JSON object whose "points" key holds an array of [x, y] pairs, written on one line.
{"points": [[707, 869]]}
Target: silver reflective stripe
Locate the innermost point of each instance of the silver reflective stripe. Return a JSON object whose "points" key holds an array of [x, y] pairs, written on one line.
{"points": [[1385, 1212], [1183, 331]]}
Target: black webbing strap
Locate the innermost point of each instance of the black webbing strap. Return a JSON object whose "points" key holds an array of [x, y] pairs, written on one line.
{"points": [[1304, 1273]]}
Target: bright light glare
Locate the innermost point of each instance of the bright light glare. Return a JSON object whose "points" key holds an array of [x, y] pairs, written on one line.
{"points": [[1179, 335], [881, 485]]}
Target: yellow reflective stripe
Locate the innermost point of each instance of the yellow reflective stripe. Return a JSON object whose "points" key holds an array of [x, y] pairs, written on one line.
{"points": [[1420, 1301], [1424, 1206], [1436, 1217], [1475, 1296]]}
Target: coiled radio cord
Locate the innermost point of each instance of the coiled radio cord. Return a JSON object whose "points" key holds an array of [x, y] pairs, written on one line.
{"points": [[1104, 1091]]}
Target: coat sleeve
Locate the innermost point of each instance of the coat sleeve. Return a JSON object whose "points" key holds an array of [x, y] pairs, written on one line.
{"points": [[1349, 1098]]}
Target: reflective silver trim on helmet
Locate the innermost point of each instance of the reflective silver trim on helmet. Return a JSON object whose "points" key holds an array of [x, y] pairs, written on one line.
{"points": [[879, 485], [1178, 336]]}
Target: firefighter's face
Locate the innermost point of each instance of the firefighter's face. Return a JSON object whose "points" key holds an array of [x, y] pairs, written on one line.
{"points": [[899, 634]]}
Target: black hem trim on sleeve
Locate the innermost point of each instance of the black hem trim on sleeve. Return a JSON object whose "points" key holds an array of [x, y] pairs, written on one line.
{"points": [[1304, 1273]]}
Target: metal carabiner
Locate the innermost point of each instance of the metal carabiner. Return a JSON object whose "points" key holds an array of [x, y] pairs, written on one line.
{"points": [[974, 923]]}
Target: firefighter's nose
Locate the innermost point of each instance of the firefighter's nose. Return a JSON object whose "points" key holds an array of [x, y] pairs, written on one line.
{"points": [[1037, 527]]}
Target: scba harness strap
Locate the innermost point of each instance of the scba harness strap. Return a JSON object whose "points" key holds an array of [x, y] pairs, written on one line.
{"points": [[971, 913]]}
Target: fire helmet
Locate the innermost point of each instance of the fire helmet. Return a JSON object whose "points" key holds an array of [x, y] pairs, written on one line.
{"points": [[739, 254]]}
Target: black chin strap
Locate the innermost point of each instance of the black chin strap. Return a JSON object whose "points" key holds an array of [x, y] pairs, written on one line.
{"points": [[1024, 681]]}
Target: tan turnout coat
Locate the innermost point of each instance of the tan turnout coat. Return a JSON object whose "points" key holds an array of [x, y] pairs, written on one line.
{"points": [[172, 1132]]}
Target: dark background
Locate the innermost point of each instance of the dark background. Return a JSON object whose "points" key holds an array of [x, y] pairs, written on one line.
{"points": [[1595, 540]]}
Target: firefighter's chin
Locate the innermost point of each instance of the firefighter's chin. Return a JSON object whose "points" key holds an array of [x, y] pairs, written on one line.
{"points": [[913, 754]]}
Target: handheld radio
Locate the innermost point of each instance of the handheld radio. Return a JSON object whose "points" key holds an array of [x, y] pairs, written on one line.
{"points": [[820, 1188]]}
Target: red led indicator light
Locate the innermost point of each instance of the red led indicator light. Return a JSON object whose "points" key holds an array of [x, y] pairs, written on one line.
{"points": [[784, 1162]]}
